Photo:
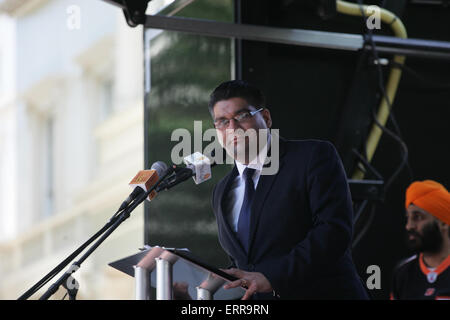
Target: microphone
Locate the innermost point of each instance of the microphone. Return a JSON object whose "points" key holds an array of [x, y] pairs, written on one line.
{"points": [[200, 166], [143, 181]]}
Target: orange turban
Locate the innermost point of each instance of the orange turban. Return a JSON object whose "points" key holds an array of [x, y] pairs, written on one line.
{"points": [[431, 197]]}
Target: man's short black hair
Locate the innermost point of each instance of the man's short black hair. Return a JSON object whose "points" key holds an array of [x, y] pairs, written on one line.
{"points": [[237, 89]]}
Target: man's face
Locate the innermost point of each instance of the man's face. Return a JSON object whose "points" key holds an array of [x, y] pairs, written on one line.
{"points": [[424, 234], [232, 137]]}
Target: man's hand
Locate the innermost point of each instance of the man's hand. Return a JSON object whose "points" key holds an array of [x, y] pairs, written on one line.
{"points": [[252, 281]]}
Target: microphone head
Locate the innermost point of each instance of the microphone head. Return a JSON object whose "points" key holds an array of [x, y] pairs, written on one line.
{"points": [[160, 167], [200, 165]]}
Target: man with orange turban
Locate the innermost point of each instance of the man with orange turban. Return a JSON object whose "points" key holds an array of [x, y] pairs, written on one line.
{"points": [[425, 275]]}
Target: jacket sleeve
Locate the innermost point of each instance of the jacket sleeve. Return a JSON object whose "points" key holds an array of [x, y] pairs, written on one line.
{"points": [[331, 232]]}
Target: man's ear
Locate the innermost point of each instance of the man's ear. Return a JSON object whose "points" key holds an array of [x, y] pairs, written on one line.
{"points": [[267, 118], [443, 227]]}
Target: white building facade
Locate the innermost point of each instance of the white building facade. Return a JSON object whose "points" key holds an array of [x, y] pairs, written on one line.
{"points": [[71, 138]]}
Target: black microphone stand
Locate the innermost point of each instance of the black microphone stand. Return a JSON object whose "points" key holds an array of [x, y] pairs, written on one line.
{"points": [[71, 285], [181, 174], [66, 261], [112, 224]]}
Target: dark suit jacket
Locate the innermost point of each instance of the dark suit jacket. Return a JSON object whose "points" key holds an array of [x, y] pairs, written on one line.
{"points": [[301, 225]]}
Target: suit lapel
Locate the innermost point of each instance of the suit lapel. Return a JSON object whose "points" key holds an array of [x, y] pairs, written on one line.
{"points": [[229, 233], [265, 184]]}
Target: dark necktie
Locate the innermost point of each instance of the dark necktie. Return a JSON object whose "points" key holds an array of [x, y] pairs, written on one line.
{"points": [[243, 230]]}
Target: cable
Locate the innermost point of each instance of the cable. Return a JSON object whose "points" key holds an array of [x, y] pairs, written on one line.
{"points": [[402, 144], [365, 228], [393, 80], [367, 164], [397, 129], [360, 210], [381, 87], [433, 83], [396, 137]]}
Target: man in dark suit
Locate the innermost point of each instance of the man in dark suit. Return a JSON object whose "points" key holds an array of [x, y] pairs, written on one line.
{"points": [[287, 234]]}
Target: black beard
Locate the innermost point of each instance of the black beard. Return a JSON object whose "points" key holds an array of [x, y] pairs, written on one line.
{"points": [[429, 241]]}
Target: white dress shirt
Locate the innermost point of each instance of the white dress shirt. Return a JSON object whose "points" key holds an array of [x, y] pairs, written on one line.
{"points": [[235, 196]]}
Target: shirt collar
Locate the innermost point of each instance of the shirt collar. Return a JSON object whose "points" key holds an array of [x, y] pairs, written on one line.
{"points": [[258, 166]]}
